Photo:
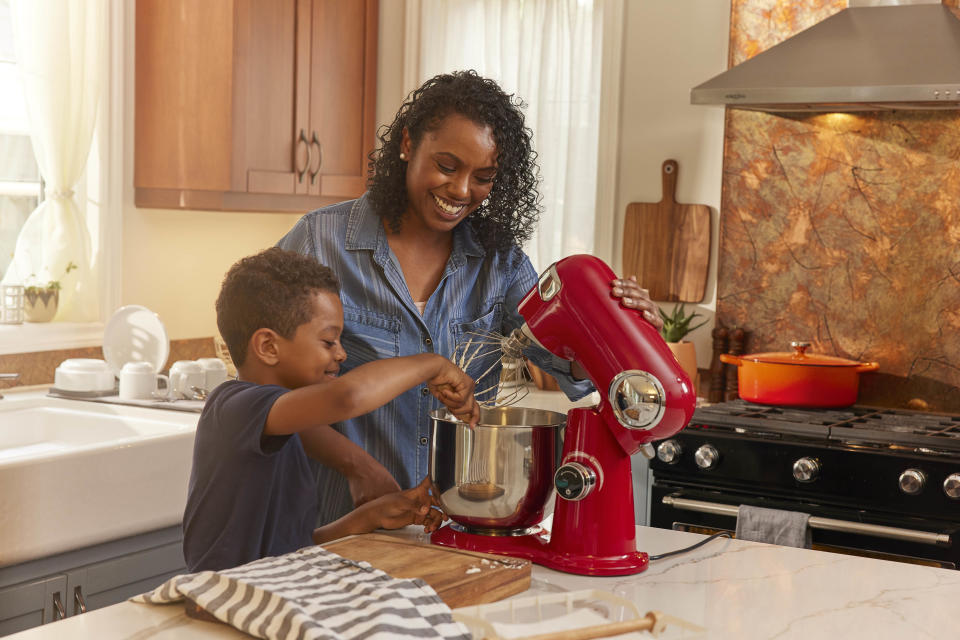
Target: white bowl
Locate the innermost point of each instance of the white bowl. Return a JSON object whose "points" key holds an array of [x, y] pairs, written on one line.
{"points": [[84, 374]]}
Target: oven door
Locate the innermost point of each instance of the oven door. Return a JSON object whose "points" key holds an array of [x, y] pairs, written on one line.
{"points": [[834, 528]]}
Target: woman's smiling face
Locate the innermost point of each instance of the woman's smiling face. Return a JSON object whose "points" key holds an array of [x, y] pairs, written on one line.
{"points": [[449, 173]]}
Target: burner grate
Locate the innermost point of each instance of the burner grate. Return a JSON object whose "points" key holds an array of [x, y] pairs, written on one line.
{"points": [[853, 424]]}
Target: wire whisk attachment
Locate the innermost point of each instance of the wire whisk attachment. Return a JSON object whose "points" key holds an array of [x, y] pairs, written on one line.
{"points": [[487, 351]]}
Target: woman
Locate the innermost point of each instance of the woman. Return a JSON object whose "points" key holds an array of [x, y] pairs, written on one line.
{"points": [[430, 256]]}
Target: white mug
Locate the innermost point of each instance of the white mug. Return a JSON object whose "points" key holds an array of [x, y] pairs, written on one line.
{"points": [[214, 372], [184, 375], [138, 381]]}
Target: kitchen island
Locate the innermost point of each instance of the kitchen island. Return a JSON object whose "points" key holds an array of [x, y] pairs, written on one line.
{"points": [[734, 589]]}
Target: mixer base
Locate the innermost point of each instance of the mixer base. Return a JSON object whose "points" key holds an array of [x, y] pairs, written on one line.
{"points": [[536, 548]]}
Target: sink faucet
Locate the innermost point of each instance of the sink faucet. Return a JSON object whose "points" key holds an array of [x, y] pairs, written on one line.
{"points": [[8, 376]]}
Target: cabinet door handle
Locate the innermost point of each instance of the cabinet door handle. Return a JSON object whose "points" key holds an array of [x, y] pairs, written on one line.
{"points": [[58, 612], [301, 172], [79, 606], [316, 141]]}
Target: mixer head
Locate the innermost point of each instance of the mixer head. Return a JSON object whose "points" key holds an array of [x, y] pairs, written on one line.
{"points": [[645, 393]]}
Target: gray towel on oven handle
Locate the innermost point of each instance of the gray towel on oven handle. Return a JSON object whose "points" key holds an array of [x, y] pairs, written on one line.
{"points": [[774, 526]]}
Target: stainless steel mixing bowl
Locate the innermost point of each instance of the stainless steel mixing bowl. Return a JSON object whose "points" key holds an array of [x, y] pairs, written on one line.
{"points": [[498, 478]]}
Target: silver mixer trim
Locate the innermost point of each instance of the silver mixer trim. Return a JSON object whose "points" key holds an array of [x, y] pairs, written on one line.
{"points": [[549, 284], [638, 399]]}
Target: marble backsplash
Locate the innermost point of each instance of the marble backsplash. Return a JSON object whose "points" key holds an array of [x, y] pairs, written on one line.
{"points": [[843, 230]]}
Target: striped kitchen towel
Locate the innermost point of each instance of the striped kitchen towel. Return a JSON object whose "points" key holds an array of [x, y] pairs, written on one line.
{"points": [[314, 594]]}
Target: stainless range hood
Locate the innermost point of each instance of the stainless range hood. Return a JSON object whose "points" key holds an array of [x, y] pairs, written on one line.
{"points": [[874, 55]]}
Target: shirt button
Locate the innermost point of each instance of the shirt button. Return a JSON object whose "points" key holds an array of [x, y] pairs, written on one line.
{"points": [[428, 342], [424, 391], [423, 440]]}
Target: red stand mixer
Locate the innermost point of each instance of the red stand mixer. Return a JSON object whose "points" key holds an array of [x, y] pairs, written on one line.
{"points": [[644, 396]]}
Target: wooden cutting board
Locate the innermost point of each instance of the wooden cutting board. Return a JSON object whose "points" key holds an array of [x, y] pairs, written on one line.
{"points": [[460, 578], [667, 244]]}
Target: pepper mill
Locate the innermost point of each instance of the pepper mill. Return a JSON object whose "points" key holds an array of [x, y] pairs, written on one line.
{"points": [[717, 376], [737, 339]]}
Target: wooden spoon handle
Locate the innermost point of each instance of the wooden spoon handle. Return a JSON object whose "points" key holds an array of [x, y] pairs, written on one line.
{"points": [[645, 623]]}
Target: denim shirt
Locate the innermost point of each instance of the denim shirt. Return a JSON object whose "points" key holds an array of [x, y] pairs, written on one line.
{"points": [[477, 292]]}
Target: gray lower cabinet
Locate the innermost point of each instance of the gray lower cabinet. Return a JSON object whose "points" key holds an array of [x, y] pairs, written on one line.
{"points": [[31, 604], [72, 583]]}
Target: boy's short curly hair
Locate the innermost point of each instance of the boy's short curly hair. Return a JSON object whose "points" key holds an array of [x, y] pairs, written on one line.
{"points": [[272, 289], [510, 216]]}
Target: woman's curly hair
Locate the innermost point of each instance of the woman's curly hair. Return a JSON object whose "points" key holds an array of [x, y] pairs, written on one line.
{"points": [[513, 208]]}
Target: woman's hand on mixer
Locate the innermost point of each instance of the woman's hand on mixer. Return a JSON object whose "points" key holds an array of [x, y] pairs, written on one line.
{"points": [[633, 296]]}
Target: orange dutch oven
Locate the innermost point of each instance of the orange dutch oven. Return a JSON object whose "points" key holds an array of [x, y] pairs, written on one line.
{"points": [[798, 378]]}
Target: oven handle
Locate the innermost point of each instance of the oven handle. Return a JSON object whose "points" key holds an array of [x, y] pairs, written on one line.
{"points": [[895, 533]]}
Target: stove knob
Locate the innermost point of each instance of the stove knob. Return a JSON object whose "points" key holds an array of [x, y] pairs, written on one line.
{"points": [[912, 481], [806, 469], [669, 451], [574, 481], [706, 456], [951, 486]]}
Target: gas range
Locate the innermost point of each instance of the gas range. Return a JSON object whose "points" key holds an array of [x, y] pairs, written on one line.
{"points": [[893, 476]]}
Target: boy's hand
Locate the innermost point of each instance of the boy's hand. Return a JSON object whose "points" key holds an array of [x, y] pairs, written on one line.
{"points": [[370, 482], [454, 388], [413, 506]]}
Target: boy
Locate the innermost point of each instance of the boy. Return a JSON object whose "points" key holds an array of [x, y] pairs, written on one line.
{"points": [[253, 484]]}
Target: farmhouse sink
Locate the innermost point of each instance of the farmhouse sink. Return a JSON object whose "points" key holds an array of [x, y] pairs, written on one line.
{"points": [[75, 473]]}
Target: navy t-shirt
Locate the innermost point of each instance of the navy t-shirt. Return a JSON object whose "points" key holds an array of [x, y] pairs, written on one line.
{"points": [[250, 496]]}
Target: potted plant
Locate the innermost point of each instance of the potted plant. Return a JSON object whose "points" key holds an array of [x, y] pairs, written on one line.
{"points": [[40, 301], [676, 326]]}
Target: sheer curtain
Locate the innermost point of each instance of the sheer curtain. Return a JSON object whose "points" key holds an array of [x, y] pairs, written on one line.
{"points": [[548, 52], [59, 49]]}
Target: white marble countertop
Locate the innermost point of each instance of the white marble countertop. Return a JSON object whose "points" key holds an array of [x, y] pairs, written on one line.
{"points": [[734, 589]]}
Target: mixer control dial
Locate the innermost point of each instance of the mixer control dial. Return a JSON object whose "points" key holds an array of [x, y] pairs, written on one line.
{"points": [[706, 456], [912, 481], [574, 481], [806, 469], [951, 486], [669, 451]]}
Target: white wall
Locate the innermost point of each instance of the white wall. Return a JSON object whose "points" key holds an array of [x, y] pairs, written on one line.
{"points": [[669, 47]]}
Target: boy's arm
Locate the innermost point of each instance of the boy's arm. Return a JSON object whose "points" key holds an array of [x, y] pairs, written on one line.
{"points": [[369, 386], [368, 478], [392, 511]]}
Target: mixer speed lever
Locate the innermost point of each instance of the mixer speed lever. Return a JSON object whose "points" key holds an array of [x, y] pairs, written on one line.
{"points": [[574, 481]]}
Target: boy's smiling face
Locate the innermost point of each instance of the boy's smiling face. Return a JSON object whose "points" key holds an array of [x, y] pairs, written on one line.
{"points": [[314, 353]]}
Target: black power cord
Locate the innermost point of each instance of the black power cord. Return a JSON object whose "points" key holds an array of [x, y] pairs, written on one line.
{"points": [[720, 534]]}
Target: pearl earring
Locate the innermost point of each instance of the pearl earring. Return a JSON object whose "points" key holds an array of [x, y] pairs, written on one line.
{"points": [[403, 156]]}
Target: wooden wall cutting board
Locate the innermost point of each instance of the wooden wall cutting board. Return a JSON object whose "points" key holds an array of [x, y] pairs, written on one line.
{"points": [[452, 573], [667, 244]]}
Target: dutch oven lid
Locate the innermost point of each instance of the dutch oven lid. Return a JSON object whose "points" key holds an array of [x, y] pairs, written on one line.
{"points": [[800, 356]]}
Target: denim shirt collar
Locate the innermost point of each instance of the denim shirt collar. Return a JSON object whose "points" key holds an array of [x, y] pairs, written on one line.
{"points": [[365, 232]]}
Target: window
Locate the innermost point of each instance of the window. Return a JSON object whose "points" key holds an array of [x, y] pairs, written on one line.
{"points": [[98, 193], [20, 189]]}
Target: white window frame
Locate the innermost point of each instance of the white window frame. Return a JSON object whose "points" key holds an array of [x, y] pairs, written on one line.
{"points": [[30, 337]]}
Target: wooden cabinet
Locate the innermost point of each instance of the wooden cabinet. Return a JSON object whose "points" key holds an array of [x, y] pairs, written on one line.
{"points": [[258, 105]]}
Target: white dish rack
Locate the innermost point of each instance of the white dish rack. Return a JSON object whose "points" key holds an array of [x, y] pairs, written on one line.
{"points": [[573, 615]]}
